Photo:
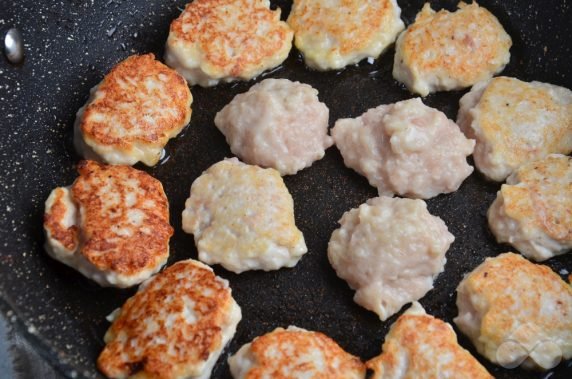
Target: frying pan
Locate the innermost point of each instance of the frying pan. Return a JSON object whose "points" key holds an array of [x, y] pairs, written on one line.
{"points": [[71, 44]]}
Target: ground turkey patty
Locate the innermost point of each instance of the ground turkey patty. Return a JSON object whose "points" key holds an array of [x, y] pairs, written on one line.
{"points": [[389, 250], [277, 123], [406, 148]]}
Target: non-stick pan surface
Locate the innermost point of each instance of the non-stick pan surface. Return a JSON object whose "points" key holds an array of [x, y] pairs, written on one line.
{"points": [[71, 44]]}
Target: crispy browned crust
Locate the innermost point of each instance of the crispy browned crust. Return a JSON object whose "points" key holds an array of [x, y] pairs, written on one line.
{"points": [[470, 61], [350, 37], [424, 339], [124, 101], [131, 346], [147, 244], [499, 126], [296, 345], [515, 291], [53, 222], [202, 21], [542, 197]]}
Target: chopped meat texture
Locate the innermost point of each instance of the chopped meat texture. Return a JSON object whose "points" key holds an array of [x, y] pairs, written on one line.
{"points": [[406, 148], [278, 124], [389, 250]]}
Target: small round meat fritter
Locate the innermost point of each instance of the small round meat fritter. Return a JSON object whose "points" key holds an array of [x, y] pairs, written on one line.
{"points": [[335, 34], [294, 353], [443, 51], [242, 217], [227, 40], [533, 211], [419, 345], [131, 115], [406, 148], [278, 124], [516, 313], [515, 122], [389, 250], [174, 327], [112, 224]]}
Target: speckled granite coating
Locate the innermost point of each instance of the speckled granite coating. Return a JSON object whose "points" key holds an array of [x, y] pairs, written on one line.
{"points": [[71, 44]]}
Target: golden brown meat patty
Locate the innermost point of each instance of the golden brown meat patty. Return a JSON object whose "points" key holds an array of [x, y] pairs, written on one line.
{"points": [[419, 345], [294, 353], [516, 312], [227, 40], [533, 210], [133, 112], [443, 51], [111, 224], [174, 327], [515, 122], [334, 34]]}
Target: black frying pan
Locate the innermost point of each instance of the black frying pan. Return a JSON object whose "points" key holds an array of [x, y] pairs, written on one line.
{"points": [[71, 44]]}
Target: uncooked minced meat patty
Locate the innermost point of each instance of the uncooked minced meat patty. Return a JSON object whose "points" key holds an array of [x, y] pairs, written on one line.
{"points": [[111, 224], [334, 34], [389, 250], [442, 51], [133, 112], [419, 345], [406, 148], [242, 217], [277, 123], [174, 327], [515, 122], [516, 312], [227, 40], [294, 353], [533, 211]]}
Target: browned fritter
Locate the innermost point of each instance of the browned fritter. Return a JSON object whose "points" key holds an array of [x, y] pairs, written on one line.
{"points": [[516, 312], [533, 210], [515, 122], [174, 327], [419, 345], [227, 40], [112, 224], [55, 221], [95, 192], [294, 353], [334, 34], [140, 104], [444, 50]]}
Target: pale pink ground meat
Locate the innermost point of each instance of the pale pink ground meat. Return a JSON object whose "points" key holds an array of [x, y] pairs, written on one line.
{"points": [[406, 148], [389, 250], [277, 124]]}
